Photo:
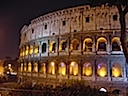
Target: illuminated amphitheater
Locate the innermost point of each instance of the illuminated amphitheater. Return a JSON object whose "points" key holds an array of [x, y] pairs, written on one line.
{"points": [[79, 43]]}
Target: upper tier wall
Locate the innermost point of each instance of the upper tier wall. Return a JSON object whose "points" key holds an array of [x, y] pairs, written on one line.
{"points": [[77, 19]]}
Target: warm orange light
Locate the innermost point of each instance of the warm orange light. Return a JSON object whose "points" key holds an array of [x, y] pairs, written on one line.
{"points": [[116, 71], [35, 69], [36, 49], [52, 63], [10, 67], [21, 67], [1, 67], [25, 67], [87, 69], [60, 45], [102, 71], [27, 48], [29, 67], [63, 72], [72, 63], [73, 68], [23, 53], [52, 68], [51, 47], [62, 69], [31, 50], [43, 68]]}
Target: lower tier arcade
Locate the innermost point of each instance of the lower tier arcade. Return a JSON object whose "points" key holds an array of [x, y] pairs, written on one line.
{"points": [[91, 69]]}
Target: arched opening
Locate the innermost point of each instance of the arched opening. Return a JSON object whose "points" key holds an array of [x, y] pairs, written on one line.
{"points": [[51, 68], [21, 67], [29, 67], [31, 49], [74, 44], [23, 51], [27, 50], [87, 69], [25, 67], [52, 47], [101, 44], [73, 68], [87, 45], [44, 47], [116, 91], [102, 90], [101, 69], [116, 70], [35, 67], [116, 44], [62, 45], [62, 68], [42, 68], [36, 50]]}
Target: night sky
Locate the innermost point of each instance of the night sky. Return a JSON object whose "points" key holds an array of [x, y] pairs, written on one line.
{"points": [[15, 13]]}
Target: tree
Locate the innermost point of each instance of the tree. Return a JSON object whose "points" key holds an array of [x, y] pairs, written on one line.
{"points": [[122, 6]]}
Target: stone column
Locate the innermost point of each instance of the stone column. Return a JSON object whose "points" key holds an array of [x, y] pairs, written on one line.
{"points": [[69, 50], [32, 69], [67, 69], [124, 72], [33, 50], [82, 45], [80, 70], [26, 67], [94, 71], [38, 68], [56, 69], [109, 48], [47, 69], [109, 70], [58, 46], [40, 48], [48, 47], [94, 45]]}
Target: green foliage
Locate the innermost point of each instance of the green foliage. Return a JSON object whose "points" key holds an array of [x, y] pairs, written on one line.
{"points": [[71, 88], [38, 86], [26, 85]]}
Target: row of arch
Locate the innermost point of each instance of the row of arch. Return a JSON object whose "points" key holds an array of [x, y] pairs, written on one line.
{"points": [[115, 91], [88, 46], [73, 68]]}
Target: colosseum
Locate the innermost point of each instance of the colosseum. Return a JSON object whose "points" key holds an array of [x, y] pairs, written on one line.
{"points": [[79, 43]]}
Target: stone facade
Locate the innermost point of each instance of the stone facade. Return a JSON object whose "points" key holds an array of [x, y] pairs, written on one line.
{"points": [[81, 43]]}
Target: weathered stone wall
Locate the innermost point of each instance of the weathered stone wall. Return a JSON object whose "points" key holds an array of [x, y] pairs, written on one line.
{"points": [[77, 19], [76, 23]]}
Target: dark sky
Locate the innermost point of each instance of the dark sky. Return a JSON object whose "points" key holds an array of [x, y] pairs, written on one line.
{"points": [[15, 13]]}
